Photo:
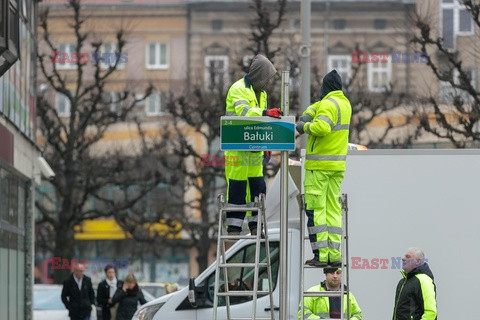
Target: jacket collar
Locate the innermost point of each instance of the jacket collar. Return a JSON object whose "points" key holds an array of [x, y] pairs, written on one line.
{"points": [[246, 79]]}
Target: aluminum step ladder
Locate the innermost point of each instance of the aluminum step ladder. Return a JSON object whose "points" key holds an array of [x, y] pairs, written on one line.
{"points": [[223, 265], [344, 284]]}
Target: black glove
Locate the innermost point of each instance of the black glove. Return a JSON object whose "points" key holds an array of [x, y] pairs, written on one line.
{"points": [[299, 127]]}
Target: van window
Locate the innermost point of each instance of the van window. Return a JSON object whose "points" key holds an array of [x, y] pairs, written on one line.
{"points": [[242, 278]]}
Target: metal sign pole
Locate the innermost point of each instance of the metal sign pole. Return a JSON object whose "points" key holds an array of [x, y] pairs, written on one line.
{"points": [[283, 283], [305, 10]]}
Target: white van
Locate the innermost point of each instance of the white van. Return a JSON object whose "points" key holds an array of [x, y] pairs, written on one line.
{"points": [[177, 306]]}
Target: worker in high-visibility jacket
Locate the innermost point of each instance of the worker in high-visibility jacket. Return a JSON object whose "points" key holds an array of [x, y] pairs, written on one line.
{"points": [[327, 124], [244, 169], [416, 294], [329, 307]]}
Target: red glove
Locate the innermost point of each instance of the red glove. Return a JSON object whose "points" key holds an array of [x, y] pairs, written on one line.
{"points": [[274, 112]]}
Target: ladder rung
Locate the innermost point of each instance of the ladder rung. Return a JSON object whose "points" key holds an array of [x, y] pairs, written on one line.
{"points": [[240, 265], [323, 293], [239, 237], [240, 293], [240, 208]]}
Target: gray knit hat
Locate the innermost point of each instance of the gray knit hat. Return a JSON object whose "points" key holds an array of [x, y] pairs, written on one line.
{"points": [[260, 72]]}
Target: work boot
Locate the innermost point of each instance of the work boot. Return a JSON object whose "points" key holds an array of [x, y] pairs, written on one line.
{"points": [[314, 262], [253, 232], [233, 233]]}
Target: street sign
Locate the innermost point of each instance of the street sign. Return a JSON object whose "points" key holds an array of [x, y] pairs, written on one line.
{"points": [[257, 133]]}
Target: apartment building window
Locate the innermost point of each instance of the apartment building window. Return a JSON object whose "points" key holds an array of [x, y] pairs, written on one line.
{"points": [[62, 105], [379, 24], [447, 92], [66, 50], [110, 56], [456, 21], [157, 55], [217, 25], [153, 104], [112, 100], [9, 34], [341, 63], [379, 75], [339, 24], [216, 72]]}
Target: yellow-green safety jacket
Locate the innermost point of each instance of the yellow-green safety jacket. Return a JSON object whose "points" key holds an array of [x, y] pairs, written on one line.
{"points": [[241, 100], [319, 307], [327, 126]]}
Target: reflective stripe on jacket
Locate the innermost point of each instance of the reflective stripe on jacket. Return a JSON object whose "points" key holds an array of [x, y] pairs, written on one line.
{"points": [[327, 142], [242, 101], [319, 307]]}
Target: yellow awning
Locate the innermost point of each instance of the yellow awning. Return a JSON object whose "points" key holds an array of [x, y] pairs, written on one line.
{"points": [[109, 229]]}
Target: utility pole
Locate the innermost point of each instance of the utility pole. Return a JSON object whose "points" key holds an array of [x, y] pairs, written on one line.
{"points": [[305, 8], [283, 276]]}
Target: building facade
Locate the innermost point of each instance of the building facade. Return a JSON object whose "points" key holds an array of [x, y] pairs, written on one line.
{"points": [[18, 154], [367, 41], [154, 55]]}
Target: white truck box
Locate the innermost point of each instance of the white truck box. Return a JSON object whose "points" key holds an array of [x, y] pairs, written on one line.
{"points": [[397, 199]]}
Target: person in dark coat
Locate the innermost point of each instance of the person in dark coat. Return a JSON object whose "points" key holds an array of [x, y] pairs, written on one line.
{"points": [[128, 298], [105, 291], [78, 295], [415, 297]]}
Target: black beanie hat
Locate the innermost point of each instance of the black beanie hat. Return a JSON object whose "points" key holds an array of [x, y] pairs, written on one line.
{"points": [[331, 82], [329, 270]]}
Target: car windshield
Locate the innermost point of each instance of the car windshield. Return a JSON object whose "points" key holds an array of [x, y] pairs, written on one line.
{"points": [[155, 291], [47, 299]]}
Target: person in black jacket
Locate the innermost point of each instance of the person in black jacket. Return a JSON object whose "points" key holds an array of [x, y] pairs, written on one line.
{"points": [[105, 291], [415, 297], [128, 298], [78, 295]]}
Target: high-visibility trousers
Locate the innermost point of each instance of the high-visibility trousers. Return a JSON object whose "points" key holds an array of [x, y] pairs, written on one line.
{"points": [[244, 176], [324, 213]]}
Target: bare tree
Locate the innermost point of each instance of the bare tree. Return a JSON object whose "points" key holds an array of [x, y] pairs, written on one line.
{"points": [[379, 119], [455, 117], [192, 137], [87, 167]]}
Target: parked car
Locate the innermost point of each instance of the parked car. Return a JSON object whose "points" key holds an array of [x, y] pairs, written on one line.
{"points": [[47, 303], [158, 289]]}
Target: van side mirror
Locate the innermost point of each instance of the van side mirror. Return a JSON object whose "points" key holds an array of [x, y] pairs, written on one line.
{"points": [[191, 292], [197, 296]]}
